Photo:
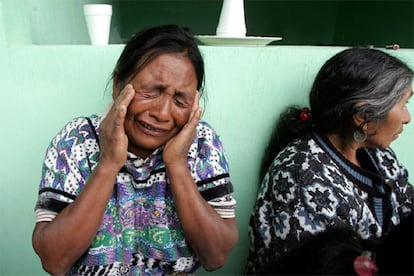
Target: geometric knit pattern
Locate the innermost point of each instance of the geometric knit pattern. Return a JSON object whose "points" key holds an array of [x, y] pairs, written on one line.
{"points": [[310, 186], [140, 233]]}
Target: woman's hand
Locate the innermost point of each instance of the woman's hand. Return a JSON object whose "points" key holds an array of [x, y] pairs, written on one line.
{"points": [[210, 236], [177, 148], [114, 141], [61, 242]]}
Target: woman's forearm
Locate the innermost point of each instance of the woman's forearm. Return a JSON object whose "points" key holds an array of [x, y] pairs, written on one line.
{"points": [[61, 242], [211, 236]]}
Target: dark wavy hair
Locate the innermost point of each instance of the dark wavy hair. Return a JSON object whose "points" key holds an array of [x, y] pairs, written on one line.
{"points": [[333, 251], [355, 75], [152, 42]]}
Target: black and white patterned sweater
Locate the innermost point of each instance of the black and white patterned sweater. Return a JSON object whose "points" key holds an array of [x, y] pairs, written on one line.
{"points": [[310, 186]]}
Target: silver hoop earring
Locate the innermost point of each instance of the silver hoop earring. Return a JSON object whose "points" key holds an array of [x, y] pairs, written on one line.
{"points": [[360, 136]]}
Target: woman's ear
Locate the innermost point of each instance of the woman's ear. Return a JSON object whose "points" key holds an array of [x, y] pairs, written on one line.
{"points": [[359, 116]]}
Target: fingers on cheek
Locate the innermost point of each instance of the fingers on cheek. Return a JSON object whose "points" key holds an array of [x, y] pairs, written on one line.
{"points": [[128, 94], [121, 109], [197, 114], [120, 113]]}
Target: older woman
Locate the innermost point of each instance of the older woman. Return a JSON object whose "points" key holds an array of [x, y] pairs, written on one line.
{"points": [[331, 164], [145, 189]]}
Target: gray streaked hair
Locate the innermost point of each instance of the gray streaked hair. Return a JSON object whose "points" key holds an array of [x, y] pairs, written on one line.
{"points": [[369, 77]]}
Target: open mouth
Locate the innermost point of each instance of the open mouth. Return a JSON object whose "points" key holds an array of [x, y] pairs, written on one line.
{"points": [[150, 128]]}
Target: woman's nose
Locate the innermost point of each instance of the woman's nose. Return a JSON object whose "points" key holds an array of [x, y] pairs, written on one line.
{"points": [[161, 109], [407, 116]]}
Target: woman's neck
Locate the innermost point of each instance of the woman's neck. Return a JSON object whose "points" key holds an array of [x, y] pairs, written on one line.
{"points": [[347, 147]]}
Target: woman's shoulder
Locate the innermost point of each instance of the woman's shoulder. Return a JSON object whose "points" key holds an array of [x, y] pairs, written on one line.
{"points": [[303, 160], [382, 152], [386, 160], [78, 126], [384, 157], [205, 131], [206, 142], [299, 151], [80, 121]]}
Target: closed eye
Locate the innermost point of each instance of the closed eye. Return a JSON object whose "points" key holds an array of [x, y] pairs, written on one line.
{"points": [[149, 93], [183, 99], [180, 102]]}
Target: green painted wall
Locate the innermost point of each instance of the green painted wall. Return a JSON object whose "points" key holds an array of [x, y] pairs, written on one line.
{"points": [[42, 87]]}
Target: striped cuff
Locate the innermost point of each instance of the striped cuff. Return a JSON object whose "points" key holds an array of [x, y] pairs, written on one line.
{"points": [[225, 206], [44, 215]]}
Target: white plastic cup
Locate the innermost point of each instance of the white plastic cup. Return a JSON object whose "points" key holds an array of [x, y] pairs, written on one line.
{"points": [[232, 20], [98, 20]]}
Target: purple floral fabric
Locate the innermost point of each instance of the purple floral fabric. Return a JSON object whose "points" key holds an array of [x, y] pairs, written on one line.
{"points": [[140, 233]]}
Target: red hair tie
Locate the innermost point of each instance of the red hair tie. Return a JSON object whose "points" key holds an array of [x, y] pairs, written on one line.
{"points": [[365, 265], [305, 114]]}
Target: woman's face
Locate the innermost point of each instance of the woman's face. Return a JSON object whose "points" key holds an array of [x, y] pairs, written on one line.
{"points": [[164, 94], [388, 130]]}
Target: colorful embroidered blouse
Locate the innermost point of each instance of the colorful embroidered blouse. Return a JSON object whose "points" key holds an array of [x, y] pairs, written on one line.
{"points": [[140, 233]]}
